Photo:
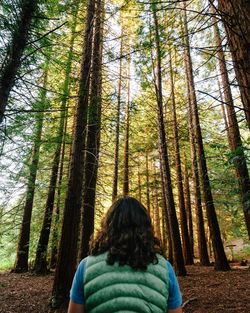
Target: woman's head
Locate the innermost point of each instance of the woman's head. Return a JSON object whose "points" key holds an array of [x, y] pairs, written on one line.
{"points": [[127, 234]]}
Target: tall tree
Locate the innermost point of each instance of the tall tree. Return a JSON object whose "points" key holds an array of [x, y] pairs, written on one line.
{"points": [[236, 18], [139, 180], [70, 228], [181, 200], [40, 265], [93, 135], [201, 237], [15, 49], [117, 131], [126, 139], [163, 149], [55, 233], [21, 264], [235, 143], [188, 206], [147, 184], [157, 223], [167, 235], [221, 262]]}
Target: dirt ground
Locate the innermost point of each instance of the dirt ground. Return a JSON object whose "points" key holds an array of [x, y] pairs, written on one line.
{"points": [[204, 291]]}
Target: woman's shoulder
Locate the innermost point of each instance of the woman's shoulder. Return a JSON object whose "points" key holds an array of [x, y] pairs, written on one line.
{"points": [[164, 262], [82, 264]]}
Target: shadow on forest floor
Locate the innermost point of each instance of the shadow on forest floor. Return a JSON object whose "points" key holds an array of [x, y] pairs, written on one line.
{"points": [[204, 291]]}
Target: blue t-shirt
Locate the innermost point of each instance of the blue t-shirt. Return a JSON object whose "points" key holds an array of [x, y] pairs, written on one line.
{"points": [[77, 295]]}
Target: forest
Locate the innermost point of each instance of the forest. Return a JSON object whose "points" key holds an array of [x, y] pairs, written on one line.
{"points": [[100, 99]]}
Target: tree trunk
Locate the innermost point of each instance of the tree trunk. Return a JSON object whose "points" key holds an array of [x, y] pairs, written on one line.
{"points": [[188, 207], [236, 19], [174, 228], [15, 49], [139, 180], [54, 241], [21, 264], [40, 266], [147, 184], [201, 237], [70, 227], [93, 137], [183, 216], [117, 132], [224, 114], [126, 147], [165, 218], [157, 223], [221, 262], [235, 143]]}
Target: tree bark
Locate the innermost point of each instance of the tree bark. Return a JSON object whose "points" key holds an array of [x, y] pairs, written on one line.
{"points": [[163, 149], [21, 264], [236, 19], [70, 227], [93, 136], [183, 216], [15, 49], [235, 143], [221, 262]]}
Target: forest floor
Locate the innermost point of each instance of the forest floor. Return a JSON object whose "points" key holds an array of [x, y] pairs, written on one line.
{"points": [[204, 291]]}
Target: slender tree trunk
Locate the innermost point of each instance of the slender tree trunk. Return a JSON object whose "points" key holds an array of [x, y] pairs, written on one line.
{"points": [[157, 224], [40, 266], [139, 181], [235, 142], [147, 184], [55, 237], [126, 147], [224, 113], [70, 227], [93, 137], [165, 218], [201, 237], [117, 135], [174, 228], [15, 49], [183, 216], [188, 207], [236, 19], [21, 264], [221, 262], [164, 234]]}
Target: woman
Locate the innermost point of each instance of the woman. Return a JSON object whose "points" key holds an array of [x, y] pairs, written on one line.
{"points": [[125, 271]]}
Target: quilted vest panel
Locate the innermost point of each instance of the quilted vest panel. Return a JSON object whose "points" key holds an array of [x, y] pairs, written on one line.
{"points": [[121, 289]]}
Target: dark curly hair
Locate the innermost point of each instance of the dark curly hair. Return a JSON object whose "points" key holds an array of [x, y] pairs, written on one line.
{"points": [[127, 235]]}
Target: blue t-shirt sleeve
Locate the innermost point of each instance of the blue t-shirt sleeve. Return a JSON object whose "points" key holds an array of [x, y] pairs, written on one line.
{"points": [[175, 298], [77, 292]]}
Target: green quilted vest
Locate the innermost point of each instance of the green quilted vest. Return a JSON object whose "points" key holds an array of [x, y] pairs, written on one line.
{"points": [[114, 288]]}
